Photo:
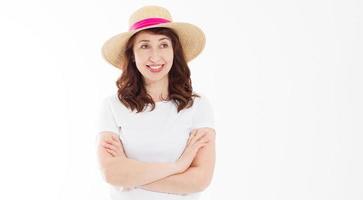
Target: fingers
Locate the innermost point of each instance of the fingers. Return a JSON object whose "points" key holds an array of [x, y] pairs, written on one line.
{"points": [[112, 152], [112, 149], [191, 135], [116, 139], [198, 139], [198, 136], [113, 140], [109, 146], [112, 145], [201, 144]]}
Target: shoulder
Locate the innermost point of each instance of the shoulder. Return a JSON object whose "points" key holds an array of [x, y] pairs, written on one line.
{"points": [[107, 101], [201, 100], [115, 105], [203, 114], [112, 100]]}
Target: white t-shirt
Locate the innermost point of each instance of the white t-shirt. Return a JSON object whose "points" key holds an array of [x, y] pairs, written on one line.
{"points": [[156, 136]]}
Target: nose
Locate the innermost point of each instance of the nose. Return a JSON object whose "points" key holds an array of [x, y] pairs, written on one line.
{"points": [[154, 55]]}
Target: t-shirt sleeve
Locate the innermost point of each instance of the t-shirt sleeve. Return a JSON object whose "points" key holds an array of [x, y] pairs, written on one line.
{"points": [[203, 115], [106, 119]]}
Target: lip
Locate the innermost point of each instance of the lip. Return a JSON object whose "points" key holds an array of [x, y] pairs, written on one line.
{"points": [[155, 70]]}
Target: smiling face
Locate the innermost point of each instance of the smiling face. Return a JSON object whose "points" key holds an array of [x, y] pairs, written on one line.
{"points": [[153, 56]]}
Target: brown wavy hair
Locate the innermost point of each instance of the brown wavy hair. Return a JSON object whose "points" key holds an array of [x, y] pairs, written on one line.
{"points": [[131, 88]]}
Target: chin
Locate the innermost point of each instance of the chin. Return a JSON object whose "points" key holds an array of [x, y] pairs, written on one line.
{"points": [[156, 78]]}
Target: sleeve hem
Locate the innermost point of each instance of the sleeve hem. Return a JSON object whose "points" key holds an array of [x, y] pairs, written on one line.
{"points": [[203, 126], [108, 130]]}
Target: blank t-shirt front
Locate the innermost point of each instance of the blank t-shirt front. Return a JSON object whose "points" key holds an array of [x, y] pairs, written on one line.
{"points": [[153, 136]]}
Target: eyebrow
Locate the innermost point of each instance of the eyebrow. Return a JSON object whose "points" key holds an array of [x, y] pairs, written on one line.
{"points": [[164, 38]]}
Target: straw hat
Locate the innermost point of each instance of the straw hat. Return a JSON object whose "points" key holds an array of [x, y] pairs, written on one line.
{"points": [[191, 37]]}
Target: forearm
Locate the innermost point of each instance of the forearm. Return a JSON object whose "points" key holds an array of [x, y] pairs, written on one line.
{"points": [[181, 183], [129, 173]]}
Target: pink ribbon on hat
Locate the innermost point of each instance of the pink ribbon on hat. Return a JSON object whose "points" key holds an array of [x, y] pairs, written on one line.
{"points": [[147, 22]]}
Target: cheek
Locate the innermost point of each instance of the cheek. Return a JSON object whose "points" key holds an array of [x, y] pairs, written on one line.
{"points": [[139, 57], [170, 56], [140, 61], [140, 67]]}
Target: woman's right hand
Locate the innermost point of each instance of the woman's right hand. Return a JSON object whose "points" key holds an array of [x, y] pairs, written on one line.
{"points": [[197, 140]]}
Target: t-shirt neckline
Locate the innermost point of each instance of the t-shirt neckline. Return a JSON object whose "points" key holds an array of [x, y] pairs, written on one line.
{"points": [[160, 102]]}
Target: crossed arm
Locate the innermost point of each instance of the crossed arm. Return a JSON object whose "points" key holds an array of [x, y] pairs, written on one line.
{"points": [[195, 179]]}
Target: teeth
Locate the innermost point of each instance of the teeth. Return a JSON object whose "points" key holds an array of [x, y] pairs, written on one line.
{"points": [[155, 66]]}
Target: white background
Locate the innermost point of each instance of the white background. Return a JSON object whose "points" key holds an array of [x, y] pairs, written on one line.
{"points": [[284, 77]]}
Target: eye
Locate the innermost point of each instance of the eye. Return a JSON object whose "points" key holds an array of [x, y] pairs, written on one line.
{"points": [[164, 45], [144, 46]]}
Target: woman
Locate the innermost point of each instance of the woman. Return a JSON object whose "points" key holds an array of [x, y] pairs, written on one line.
{"points": [[157, 138]]}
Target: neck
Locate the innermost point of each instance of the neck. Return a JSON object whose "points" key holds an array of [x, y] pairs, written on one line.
{"points": [[158, 89]]}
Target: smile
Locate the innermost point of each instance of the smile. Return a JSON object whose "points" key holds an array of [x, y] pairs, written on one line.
{"points": [[155, 68]]}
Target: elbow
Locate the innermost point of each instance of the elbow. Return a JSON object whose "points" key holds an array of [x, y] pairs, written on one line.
{"points": [[203, 183], [110, 177], [115, 178]]}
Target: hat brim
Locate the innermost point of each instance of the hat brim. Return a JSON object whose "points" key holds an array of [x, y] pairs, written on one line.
{"points": [[191, 38]]}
